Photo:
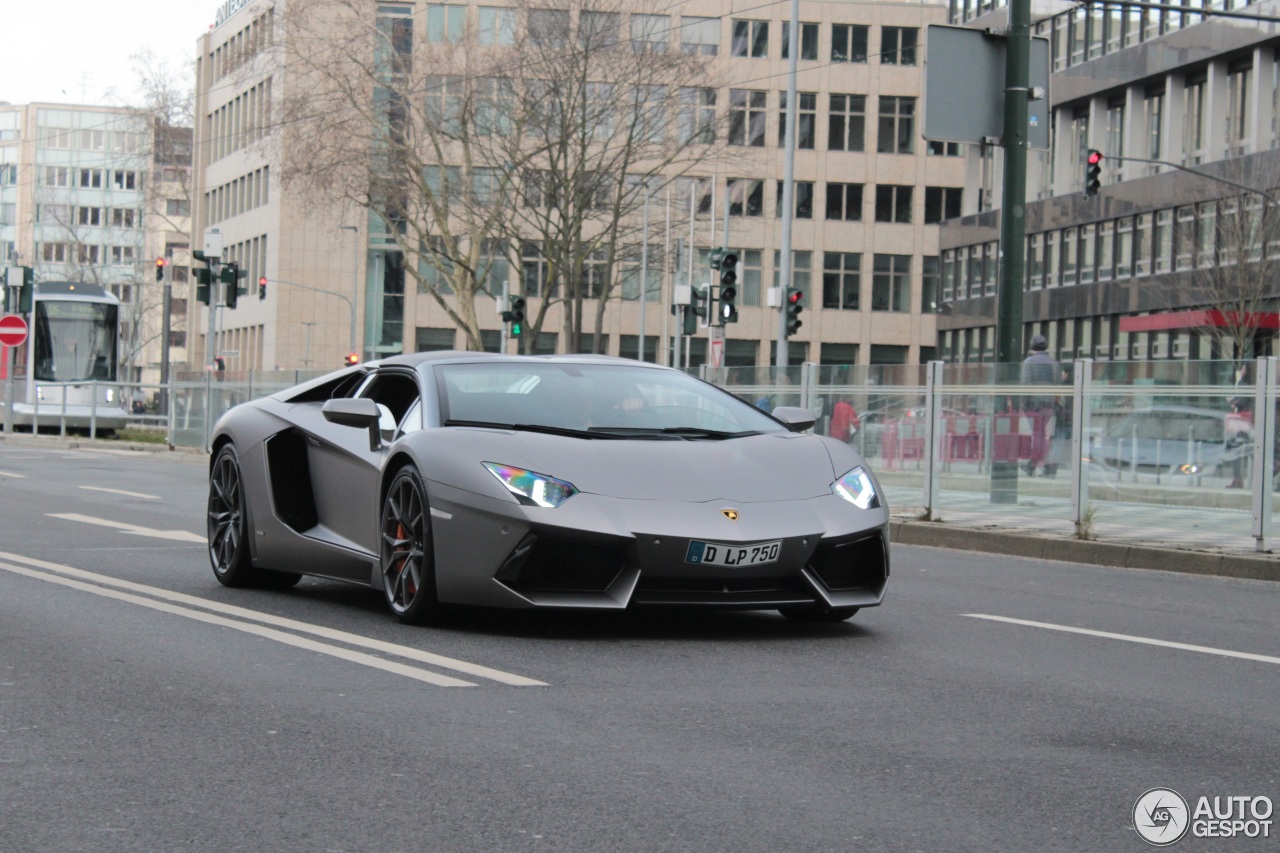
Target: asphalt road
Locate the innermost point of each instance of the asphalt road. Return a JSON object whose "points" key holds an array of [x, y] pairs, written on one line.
{"points": [[145, 708]]}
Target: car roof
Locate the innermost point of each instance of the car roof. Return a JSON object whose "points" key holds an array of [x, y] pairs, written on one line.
{"points": [[418, 359]]}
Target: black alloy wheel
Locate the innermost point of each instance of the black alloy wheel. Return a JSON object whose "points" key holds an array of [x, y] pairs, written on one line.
{"points": [[228, 526], [408, 572]]}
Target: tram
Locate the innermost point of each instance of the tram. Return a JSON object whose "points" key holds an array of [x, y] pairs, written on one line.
{"points": [[72, 359]]}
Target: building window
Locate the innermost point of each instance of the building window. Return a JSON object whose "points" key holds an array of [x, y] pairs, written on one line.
{"points": [[446, 24], [897, 126], [801, 271], [803, 199], [808, 40], [535, 272], [700, 36], [841, 280], [1115, 135], [174, 207], [1163, 242], [941, 203], [649, 33], [434, 340], [1142, 244], [497, 26], [91, 179], [57, 176], [747, 111], [1124, 247], [697, 118], [1035, 262], [844, 202], [848, 43], [750, 39], [1088, 253], [930, 275], [1184, 238], [88, 216], [944, 149], [847, 123], [746, 197], [1106, 250], [599, 30], [891, 283], [898, 45], [1194, 119], [124, 180], [1155, 116], [1238, 86], [806, 120], [1206, 234], [893, 203], [1070, 255], [549, 27]]}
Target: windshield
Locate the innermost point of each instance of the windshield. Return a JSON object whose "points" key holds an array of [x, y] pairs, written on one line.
{"points": [[602, 398], [1171, 425], [75, 341]]}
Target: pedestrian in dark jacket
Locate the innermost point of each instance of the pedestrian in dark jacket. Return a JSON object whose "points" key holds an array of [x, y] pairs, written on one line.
{"points": [[1040, 368]]}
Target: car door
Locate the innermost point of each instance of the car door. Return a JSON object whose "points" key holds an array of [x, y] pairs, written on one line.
{"points": [[346, 462]]}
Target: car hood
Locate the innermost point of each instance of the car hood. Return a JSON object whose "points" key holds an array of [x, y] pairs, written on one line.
{"points": [[768, 467]]}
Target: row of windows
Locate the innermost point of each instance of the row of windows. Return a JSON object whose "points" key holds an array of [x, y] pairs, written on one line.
{"points": [[844, 202], [658, 33], [1098, 338], [82, 253], [106, 141], [846, 121], [70, 176], [244, 193], [240, 122], [68, 216], [244, 45], [1201, 236]]}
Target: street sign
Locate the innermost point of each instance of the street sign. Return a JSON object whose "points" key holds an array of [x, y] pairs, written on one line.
{"points": [[964, 87], [13, 330], [231, 353]]}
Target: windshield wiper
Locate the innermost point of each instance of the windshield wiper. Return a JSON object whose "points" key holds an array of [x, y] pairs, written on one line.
{"points": [[543, 428], [674, 432]]}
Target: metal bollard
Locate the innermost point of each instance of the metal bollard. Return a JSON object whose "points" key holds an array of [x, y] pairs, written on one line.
{"points": [[93, 410]]}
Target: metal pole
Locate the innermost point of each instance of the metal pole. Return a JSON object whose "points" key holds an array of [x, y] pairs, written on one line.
{"points": [[8, 391], [166, 292], [1264, 430], [644, 266], [1080, 398], [1004, 474], [93, 409], [355, 281], [788, 183], [668, 276], [933, 437]]}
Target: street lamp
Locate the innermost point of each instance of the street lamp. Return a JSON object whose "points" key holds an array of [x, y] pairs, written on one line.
{"points": [[355, 283]]}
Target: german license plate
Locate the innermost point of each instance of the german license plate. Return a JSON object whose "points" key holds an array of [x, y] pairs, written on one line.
{"points": [[716, 554]]}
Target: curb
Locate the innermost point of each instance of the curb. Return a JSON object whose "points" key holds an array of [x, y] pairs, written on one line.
{"points": [[159, 451], [1113, 554]]}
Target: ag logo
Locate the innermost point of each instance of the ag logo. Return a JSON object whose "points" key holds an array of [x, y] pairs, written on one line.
{"points": [[1161, 816], [731, 514]]}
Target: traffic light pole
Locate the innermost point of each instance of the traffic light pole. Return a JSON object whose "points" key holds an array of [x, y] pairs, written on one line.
{"points": [[210, 341], [788, 182], [1004, 475]]}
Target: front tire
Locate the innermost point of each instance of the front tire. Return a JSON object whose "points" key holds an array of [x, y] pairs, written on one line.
{"points": [[228, 529], [408, 567], [813, 613]]}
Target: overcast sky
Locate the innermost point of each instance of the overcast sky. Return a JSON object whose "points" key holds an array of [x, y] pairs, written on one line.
{"points": [[77, 51]]}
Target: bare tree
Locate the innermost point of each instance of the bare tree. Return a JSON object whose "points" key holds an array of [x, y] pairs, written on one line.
{"points": [[527, 137]]}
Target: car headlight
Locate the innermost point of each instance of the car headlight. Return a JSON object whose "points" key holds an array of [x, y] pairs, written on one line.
{"points": [[856, 487], [530, 487]]}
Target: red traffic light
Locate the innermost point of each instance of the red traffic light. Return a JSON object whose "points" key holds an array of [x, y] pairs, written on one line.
{"points": [[160, 262], [262, 282], [353, 358], [1095, 157], [795, 296]]}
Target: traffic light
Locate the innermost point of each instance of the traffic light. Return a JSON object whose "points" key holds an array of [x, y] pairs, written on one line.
{"points": [[230, 275], [515, 316], [352, 359], [795, 300], [697, 308], [159, 269], [728, 287], [1093, 172], [204, 281], [262, 288]]}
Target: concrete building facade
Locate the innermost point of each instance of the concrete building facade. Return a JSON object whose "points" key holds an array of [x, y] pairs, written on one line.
{"points": [[870, 193]]}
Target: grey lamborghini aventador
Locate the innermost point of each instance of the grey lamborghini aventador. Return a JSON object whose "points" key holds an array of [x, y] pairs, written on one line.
{"points": [[544, 482]]}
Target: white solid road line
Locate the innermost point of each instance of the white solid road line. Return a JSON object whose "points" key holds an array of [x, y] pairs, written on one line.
{"points": [[12, 474], [258, 630], [176, 535], [1129, 638], [121, 492], [408, 652]]}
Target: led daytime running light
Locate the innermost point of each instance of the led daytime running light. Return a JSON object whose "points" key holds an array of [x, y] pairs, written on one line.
{"points": [[856, 487], [530, 487]]}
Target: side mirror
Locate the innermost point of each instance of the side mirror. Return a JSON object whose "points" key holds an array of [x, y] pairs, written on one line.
{"points": [[359, 412], [796, 418]]}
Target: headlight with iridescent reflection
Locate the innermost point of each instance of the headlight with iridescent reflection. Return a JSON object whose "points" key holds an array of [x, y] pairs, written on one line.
{"points": [[530, 487], [856, 487]]}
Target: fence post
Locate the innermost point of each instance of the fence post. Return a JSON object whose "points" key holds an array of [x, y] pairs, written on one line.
{"points": [[62, 422], [1264, 430], [93, 410], [8, 402], [208, 409], [1082, 379], [171, 420], [250, 397], [932, 437], [807, 372]]}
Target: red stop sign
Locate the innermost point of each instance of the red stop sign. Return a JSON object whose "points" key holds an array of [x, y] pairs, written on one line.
{"points": [[13, 330]]}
